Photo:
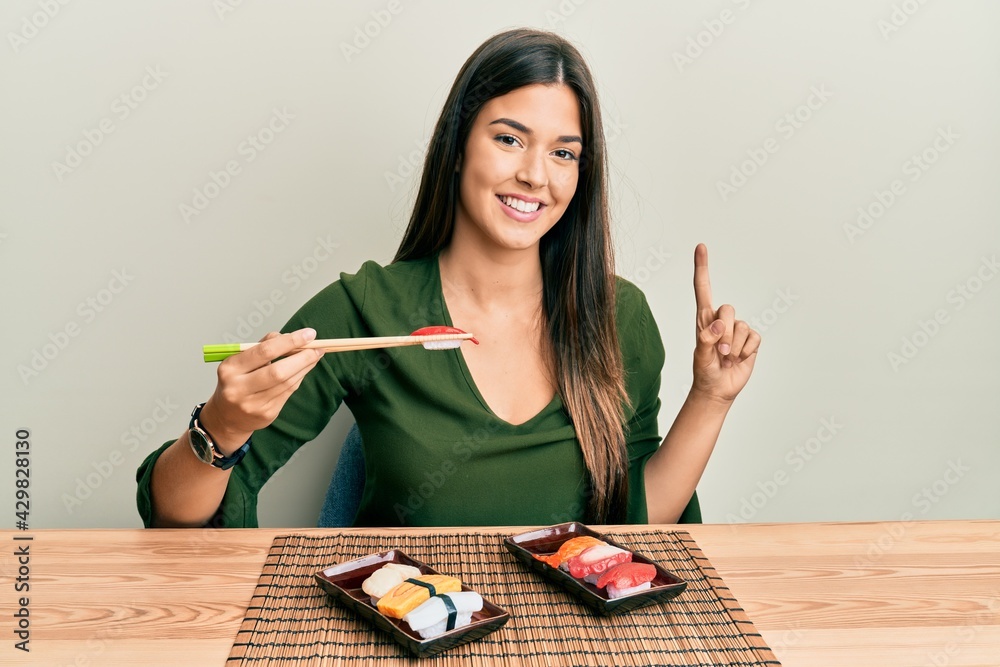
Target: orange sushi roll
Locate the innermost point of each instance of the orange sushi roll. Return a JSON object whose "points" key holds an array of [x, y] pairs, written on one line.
{"points": [[407, 596], [569, 549]]}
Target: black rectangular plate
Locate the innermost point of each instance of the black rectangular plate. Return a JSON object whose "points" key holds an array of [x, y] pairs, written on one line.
{"points": [[546, 541], [343, 583]]}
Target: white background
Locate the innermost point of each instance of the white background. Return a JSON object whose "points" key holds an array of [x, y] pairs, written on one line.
{"points": [[688, 88]]}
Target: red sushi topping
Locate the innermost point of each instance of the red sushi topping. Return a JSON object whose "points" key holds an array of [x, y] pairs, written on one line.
{"points": [[434, 331], [627, 575], [597, 559]]}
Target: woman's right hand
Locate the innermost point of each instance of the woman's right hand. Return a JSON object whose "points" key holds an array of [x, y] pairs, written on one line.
{"points": [[254, 385]]}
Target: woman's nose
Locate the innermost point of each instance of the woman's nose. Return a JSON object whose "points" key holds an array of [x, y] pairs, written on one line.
{"points": [[532, 171]]}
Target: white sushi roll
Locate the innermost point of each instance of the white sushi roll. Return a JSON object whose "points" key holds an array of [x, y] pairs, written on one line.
{"points": [[386, 578], [430, 619], [615, 592]]}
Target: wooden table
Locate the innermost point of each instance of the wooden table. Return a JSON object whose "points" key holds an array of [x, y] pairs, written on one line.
{"points": [[823, 594]]}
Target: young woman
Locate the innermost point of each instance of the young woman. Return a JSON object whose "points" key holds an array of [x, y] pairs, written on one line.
{"points": [[553, 415]]}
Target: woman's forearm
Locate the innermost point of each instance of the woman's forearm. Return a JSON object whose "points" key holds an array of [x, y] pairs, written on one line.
{"points": [[185, 491], [673, 472]]}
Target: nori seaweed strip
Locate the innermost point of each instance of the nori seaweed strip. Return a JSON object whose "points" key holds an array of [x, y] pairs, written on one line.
{"points": [[426, 585], [452, 611]]}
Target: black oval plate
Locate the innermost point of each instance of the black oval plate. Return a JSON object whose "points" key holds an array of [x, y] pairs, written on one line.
{"points": [[343, 582], [545, 541]]}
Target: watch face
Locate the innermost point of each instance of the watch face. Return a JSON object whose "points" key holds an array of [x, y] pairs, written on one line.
{"points": [[199, 443]]}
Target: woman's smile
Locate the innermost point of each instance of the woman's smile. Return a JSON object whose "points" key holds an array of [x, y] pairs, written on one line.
{"points": [[522, 209]]}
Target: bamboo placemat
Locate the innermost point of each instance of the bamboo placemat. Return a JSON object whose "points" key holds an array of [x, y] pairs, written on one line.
{"points": [[291, 621]]}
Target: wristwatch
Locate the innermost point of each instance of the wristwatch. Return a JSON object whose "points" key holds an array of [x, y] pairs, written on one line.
{"points": [[204, 446]]}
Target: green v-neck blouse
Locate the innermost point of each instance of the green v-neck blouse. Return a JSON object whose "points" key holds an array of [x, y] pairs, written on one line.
{"points": [[435, 453]]}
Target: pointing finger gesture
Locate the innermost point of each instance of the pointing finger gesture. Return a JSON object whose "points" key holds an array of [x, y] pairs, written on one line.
{"points": [[726, 348]]}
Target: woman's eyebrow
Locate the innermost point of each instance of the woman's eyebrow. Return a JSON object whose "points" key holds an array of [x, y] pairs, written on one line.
{"points": [[520, 127]]}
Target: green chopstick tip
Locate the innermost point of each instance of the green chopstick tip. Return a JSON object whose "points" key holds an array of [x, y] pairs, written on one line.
{"points": [[219, 352]]}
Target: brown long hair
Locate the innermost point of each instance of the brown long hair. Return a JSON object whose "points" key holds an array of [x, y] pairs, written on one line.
{"points": [[578, 297]]}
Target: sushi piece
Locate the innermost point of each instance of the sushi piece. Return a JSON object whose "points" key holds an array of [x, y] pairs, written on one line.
{"points": [[569, 549], [443, 613], [627, 578], [407, 570], [441, 344], [386, 578], [596, 560], [410, 594]]}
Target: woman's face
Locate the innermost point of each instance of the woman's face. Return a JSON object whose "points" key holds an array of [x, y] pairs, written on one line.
{"points": [[520, 167]]}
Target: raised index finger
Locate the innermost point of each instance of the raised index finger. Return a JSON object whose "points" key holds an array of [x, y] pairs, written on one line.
{"points": [[702, 284]]}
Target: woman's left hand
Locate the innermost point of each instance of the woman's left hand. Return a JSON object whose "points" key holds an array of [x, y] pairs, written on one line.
{"points": [[726, 347]]}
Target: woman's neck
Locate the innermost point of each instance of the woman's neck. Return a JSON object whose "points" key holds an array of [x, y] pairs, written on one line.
{"points": [[492, 279]]}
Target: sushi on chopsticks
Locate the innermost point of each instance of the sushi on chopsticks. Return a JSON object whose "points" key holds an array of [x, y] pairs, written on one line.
{"points": [[443, 613], [432, 338]]}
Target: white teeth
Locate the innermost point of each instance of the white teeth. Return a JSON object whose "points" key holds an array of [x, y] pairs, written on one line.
{"points": [[520, 205]]}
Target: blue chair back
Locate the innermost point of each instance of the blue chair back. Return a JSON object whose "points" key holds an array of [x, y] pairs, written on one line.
{"points": [[343, 497]]}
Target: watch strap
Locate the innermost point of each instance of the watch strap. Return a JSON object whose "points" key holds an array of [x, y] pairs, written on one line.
{"points": [[218, 460]]}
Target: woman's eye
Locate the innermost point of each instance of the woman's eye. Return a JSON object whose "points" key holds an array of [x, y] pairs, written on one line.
{"points": [[507, 140], [564, 154]]}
